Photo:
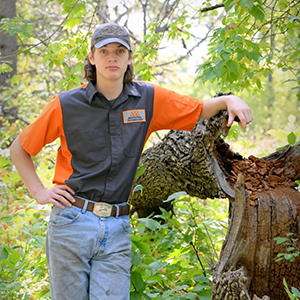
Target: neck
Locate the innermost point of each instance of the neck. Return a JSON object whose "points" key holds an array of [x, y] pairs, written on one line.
{"points": [[111, 90]]}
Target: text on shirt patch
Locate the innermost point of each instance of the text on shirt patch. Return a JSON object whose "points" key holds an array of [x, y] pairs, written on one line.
{"points": [[132, 116]]}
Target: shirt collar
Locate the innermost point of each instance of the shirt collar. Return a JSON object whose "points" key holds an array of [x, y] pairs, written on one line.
{"points": [[131, 90], [91, 91], [128, 90]]}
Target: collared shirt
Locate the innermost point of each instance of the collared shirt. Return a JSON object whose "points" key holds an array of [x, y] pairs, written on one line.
{"points": [[101, 143]]}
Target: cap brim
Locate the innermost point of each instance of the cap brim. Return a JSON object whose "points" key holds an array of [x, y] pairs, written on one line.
{"points": [[111, 40]]}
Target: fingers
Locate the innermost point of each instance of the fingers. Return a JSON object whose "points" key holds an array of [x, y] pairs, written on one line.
{"points": [[59, 196], [62, 193], [243, 118]]}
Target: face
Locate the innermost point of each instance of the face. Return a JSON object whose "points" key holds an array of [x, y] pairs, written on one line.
{"points": [[111, 61]]}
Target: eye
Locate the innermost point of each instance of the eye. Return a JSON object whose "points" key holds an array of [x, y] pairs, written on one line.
{"points": [[121, 51], [103, 51]]}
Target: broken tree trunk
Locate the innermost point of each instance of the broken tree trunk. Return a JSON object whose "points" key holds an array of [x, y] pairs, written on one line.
{"points": [[264, 204], [247, 266]]}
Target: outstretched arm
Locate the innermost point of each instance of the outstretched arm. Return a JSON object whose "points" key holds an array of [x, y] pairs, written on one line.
{"points": [[236, 108], [25, 167]]}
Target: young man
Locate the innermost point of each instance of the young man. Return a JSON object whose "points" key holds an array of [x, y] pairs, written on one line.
{"points": [[102, 126]]}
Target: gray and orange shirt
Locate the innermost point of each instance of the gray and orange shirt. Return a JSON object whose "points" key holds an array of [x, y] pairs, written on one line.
{"points": [[101, 143]]}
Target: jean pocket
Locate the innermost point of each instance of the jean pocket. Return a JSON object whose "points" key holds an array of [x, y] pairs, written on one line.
{"points": [[126, 223], [64, 217]]}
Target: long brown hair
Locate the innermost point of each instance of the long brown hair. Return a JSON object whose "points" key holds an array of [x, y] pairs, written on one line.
{"points": [[90, 73]]}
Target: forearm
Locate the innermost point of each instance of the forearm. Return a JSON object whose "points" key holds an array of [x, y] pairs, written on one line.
{"points": [[58, 195], [212, 106], [25, 167], [236, 108]]}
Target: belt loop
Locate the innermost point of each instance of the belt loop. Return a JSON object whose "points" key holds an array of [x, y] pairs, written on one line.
{"points": [[118, 211], [86, 202]]}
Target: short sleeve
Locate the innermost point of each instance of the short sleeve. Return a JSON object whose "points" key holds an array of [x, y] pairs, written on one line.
{"points": [[174, 111], [44, 130]]}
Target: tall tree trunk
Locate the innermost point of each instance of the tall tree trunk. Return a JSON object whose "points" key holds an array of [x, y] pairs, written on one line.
{"points": [[263, 198], [8, 43], [8, 49]]}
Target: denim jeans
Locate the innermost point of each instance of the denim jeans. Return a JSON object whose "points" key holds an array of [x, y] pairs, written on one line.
{"points": [[88, 256]]}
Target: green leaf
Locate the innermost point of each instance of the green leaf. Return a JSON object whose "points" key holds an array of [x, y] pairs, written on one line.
{"points": [[149, 223], [218, 68], [248, 3], [140, 171], [4, 68], [204, 295], [296, 292], [225, 56], [174, 196], [287, 288], [291, 138], [143, 247], [15, 257], [137, 281], [134, 296], [257, 12], [3, 254], [290, 249], [135, 258], [232, 66], [41, 294], [280, 240], [278, 133], [289, 257], [201, 279], [209, 74], [138, 188], [228, 5]]}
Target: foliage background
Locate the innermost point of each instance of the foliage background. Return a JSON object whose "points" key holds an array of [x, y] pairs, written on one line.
{"points": [[249, 47]]}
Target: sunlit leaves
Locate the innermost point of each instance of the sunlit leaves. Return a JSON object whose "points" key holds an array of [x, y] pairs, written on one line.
{"points": [[235, 60], [241, 55], [146, 55], [179, 28], [289, 135]]}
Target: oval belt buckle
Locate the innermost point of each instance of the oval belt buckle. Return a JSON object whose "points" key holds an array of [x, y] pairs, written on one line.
{"points": [[102, 209]]}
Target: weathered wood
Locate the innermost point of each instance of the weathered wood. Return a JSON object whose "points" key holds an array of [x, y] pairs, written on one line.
{"points": [[247, 260]]}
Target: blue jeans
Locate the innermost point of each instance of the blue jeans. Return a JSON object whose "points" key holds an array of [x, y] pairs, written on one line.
{"points": [[88, 256]]}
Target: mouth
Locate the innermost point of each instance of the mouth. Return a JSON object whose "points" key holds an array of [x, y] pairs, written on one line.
{"points": [[112, 68]]}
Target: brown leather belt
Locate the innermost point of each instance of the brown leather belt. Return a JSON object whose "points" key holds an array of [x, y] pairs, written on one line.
{"points": [[103, 209]]}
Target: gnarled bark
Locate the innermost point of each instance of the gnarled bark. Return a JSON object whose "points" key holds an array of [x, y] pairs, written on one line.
{"points": [[182, 161]]}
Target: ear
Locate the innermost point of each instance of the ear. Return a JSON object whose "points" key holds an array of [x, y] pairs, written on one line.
{"points": [[130, 59], [91, 58]]}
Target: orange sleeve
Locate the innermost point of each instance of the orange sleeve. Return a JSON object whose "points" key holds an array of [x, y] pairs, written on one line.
{"points": [[46, 129], [174, 111]]}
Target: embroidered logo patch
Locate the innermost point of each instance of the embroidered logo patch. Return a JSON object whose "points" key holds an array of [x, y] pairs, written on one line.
{"points": [[132, 116]]}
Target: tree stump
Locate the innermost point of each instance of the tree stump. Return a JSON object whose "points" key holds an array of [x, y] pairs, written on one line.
{"points": [[247, 265]]}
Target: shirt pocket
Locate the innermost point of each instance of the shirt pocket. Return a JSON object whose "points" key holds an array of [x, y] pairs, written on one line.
{"points": [[88, 145], [133, 138]]}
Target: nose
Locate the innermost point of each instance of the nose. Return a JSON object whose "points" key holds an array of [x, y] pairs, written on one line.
{"points": [[112, 57]]}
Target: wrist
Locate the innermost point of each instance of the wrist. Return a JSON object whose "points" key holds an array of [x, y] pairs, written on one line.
{"points": [[37, 190]]}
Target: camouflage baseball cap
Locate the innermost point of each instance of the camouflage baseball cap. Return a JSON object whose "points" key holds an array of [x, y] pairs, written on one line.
{"points": [[110, 33]]}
